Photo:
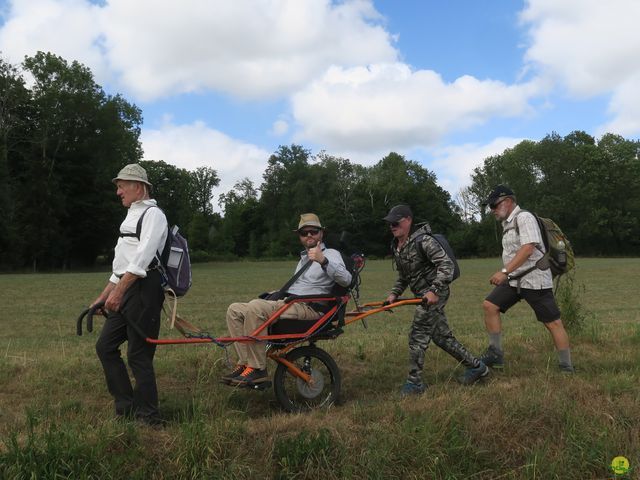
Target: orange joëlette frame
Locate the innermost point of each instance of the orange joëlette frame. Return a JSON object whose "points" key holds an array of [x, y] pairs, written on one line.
{"points": [[255, 336], [279, 355]]}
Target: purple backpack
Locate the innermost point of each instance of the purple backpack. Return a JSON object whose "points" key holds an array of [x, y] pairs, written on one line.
{"points": [[174, 262]]}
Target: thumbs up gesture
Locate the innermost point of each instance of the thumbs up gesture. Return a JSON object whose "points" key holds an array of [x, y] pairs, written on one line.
{"points": [[315, 254]]}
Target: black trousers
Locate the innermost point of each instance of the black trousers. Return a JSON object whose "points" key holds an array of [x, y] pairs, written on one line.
{"points": [[142, 304]]}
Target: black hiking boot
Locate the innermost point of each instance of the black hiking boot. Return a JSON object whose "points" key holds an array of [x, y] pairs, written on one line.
{"points": [[226, 379], [250, 377]]}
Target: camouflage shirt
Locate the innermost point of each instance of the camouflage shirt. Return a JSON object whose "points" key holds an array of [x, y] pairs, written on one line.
{"points": [[421, 271]]}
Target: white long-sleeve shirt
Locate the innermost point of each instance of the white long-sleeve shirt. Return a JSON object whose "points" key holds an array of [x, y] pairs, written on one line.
{"points": [[135, 256]]}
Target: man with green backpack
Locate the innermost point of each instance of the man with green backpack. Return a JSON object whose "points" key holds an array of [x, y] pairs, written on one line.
{"points": [[528, 262]]}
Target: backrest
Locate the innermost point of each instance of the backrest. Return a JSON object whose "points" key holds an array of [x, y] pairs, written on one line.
{"points": [[354, 264]]}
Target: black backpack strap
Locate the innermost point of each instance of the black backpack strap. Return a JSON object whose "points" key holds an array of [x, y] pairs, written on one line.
{"points": [[517, 229], [139, 224], [156, 260], [419, 246], [542, 236], [295, 277], [515, 221], [138, 231]]}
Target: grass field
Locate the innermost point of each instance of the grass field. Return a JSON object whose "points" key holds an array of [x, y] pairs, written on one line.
{"points": [[527, 422]]}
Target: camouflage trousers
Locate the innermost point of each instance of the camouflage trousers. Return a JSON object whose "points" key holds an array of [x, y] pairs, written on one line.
{"points": [[430, 323]]}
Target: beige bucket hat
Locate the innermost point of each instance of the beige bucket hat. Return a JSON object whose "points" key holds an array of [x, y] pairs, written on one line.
{"points": [[309, 220], [134, 173]]}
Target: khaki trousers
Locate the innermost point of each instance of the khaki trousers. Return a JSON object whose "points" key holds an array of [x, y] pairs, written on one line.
{"points": [[244, 318]]}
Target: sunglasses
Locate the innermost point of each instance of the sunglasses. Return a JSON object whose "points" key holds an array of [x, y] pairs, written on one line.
{"points": [[493, 206], [306, 233], [395, 224]]}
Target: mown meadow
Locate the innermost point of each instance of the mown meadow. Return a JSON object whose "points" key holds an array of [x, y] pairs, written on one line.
{"points": [[526, 422]]}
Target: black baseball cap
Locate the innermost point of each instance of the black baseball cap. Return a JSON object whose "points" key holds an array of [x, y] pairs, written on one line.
{"points": [[498, 193], [397, 213]]}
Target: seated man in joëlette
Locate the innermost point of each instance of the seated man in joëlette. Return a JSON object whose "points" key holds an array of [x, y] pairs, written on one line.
{"points": [[326, 269]]}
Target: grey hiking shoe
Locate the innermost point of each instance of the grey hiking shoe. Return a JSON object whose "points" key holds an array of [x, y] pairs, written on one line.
{"points": [[567, 369], [492, 357], [410, 388], [472, 375]]}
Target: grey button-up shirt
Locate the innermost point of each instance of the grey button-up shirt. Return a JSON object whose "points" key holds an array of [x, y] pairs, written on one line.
{"points": [[317, 280]]}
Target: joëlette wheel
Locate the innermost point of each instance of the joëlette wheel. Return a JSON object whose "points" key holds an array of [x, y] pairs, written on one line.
{"points": [[296, 395]]}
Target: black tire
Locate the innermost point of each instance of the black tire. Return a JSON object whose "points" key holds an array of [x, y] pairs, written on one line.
{"points": [[295, 395]]}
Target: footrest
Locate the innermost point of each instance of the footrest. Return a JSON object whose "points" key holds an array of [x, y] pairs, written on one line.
{"points": [[257, 386]]}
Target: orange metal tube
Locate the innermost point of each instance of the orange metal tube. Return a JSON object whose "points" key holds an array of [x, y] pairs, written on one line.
{"points": [[355, 315], [293, 368]]}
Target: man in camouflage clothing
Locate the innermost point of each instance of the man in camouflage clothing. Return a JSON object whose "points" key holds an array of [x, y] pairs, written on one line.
{"points": [[424, 266]]}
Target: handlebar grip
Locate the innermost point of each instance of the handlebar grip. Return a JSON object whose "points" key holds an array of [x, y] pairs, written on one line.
{"points": [[89, 313]]}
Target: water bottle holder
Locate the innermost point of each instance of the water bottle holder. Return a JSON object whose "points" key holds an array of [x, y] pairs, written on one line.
{"points": [[175, 258]]}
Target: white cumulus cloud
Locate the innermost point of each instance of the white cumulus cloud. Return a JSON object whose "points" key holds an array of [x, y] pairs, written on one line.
{"points": [[248, 48], [64, 27], [390, 106], [590, 47], [454, 164], [195, 145], [280, 127], [625, 109]]}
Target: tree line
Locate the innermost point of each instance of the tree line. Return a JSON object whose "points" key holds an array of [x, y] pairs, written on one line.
{"points": [[62, 139]]}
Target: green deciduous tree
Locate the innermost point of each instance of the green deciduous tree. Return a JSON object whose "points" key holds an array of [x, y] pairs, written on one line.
{"points": [[78, 136], [591, 189], [14, 133]]}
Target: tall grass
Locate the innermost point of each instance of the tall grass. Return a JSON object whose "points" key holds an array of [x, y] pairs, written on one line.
{"points": [[569, 293], [527, 422]]}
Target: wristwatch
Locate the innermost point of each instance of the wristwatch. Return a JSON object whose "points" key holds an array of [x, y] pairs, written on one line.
{"points": [[504, 270]]}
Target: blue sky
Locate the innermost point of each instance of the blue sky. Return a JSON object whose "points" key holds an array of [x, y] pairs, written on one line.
{"points": [[446, 83]]}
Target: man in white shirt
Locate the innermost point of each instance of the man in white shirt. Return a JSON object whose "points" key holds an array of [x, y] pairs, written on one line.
{"points": [[522, 247], [134, 295], [326, 269]]}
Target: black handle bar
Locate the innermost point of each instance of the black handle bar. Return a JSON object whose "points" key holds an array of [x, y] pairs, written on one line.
{"points": [[88, 313]]}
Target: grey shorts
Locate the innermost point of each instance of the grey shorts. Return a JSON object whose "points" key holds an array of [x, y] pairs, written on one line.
{"points": [[542, 301]]}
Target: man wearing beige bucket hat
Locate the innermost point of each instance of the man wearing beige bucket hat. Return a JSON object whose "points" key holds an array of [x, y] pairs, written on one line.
{"points": [[134, 294], [319, 267]]}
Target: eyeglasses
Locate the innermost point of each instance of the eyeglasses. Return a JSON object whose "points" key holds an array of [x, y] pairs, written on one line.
{"points": [[396, 224], [306, 233]]}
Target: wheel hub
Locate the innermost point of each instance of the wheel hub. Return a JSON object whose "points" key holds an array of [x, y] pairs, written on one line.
{"points": [[313, 387]]}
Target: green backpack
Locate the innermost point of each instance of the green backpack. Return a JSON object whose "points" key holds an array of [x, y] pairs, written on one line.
{"points": [[558, 255]]}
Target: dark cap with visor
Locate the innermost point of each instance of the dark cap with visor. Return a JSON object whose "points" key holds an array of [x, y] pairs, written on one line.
{"points": [[397, 213], [498, 193]]}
